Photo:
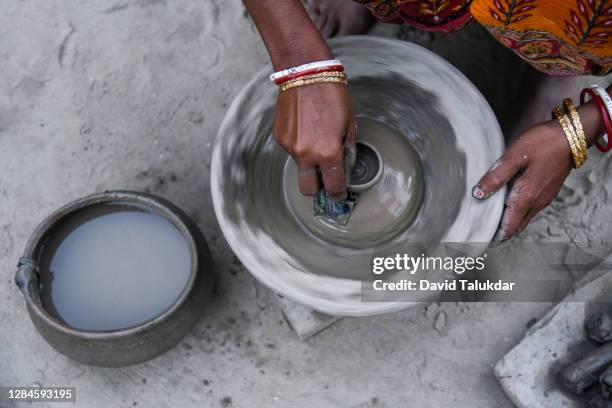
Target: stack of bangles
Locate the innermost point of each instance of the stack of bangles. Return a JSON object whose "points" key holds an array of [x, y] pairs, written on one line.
{"points": [[602, 100], [568, 118], [319, 72], [572, 127]]}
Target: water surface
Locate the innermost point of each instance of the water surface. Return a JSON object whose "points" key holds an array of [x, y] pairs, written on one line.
{"points": [[112, 266]]}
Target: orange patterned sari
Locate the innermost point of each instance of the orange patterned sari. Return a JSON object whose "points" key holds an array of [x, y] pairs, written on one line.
{"points": [[559, 37]]}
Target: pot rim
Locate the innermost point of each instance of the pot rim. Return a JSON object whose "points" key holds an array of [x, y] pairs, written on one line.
{"points": [[381, 165], [150, 201]]}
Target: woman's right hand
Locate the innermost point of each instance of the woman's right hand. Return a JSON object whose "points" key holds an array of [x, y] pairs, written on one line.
{"points": [[316, 126], [314, 123]]}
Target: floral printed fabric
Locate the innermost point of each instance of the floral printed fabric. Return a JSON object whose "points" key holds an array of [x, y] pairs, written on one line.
{"points": [[430, 15], [559, 37]]}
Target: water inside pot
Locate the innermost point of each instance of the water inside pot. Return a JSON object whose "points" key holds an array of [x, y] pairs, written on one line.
{"points": [[111, 266]]}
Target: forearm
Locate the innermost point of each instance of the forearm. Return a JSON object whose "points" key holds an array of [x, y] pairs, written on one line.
{"points": [[592, 122], [288, 33]]}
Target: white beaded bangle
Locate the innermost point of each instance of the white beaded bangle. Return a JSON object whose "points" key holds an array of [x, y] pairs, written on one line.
{"points": [[304, 67], [604, 97]]}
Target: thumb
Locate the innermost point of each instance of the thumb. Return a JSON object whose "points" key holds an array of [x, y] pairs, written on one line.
{"points": [[350, 146], [497, 176]]}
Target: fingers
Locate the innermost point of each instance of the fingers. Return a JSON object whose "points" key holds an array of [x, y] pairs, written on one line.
{"points": [[335, 172], [527, 219], [351, 133], [320, 20], [509, 227], [329, 169], [523, 203], [331, 27], [350, 146], [345, 28], [313, 7], [517, 208], [334, 179], [308, 179], [513, 222], [499, 174]]}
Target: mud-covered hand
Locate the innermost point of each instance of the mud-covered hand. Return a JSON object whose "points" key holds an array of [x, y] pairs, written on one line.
{"points": [[537, 164], [316, 126], [313, 123]]}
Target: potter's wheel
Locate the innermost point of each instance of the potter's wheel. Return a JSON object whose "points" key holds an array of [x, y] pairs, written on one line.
{"points": [[436, 135]]}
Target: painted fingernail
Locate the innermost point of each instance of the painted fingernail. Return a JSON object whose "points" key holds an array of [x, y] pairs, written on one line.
{"points": [[478, 193]]}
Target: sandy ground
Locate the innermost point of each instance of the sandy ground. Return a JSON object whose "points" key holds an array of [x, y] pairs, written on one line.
{"points": [[129, 94]]}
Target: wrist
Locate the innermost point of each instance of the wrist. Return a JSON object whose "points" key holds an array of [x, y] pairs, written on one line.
{"points": [[288, 32], [591, 122], [559, 134], [291, 55]]}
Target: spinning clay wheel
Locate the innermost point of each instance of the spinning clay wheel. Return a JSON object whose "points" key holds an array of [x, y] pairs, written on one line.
{"points": [[425, 137]]}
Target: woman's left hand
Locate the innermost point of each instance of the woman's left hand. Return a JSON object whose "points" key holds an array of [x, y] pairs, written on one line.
{"points": [[537, 163]]}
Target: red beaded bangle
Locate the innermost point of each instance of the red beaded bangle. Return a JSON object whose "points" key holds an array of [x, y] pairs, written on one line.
{"points": [[333, 68], [605, 117]]}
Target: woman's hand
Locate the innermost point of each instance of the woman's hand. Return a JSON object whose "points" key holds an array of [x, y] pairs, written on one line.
{"points": [[537, 163], [313, 123], [316, 126]]}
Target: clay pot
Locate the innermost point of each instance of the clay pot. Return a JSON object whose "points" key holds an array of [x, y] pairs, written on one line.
{"points": [[135, 344]]}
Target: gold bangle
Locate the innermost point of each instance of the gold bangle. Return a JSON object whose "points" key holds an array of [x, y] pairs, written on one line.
{"points": [[569, 135], [293, 82], [304, 82], [334, 74], [568, 104]]}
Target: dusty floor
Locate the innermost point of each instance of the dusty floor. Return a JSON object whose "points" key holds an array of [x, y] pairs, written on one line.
{"points": [[129, 94]]}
